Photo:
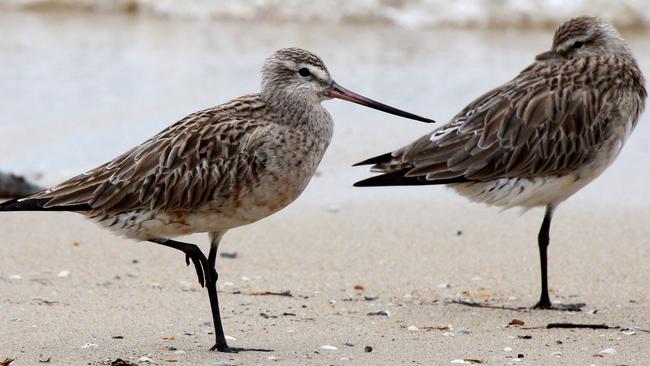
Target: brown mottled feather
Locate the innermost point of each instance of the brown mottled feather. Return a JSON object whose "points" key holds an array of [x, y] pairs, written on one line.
{"points": [[549, 120], [208, 153]]}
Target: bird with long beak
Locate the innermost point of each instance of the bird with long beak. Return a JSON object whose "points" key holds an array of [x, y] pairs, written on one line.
{"points": [[216, 169]]}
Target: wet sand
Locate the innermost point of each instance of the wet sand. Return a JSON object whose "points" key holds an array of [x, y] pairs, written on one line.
{"points": [[77, 91]]}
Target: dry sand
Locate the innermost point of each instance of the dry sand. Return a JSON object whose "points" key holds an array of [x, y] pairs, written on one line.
{"points": [[65, 283], [401, 251]]}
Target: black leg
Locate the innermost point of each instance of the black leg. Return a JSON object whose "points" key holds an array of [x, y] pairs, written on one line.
{"points": [[191, 252], [207, 276], [220, 339], [207, 273], [543, 239]]}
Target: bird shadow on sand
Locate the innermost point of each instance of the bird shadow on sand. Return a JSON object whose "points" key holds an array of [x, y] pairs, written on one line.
{"points": [[557, 307], [241, 350]]}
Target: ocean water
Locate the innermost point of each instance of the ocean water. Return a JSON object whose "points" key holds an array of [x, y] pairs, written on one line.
{"points": [[406, 13], [77, 89]]}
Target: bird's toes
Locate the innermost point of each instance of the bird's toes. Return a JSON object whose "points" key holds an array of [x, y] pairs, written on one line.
{"points": [[224, 348]]}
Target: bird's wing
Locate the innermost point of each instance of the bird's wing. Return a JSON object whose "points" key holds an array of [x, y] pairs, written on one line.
{"points": [[546, 122], [205, 155]]}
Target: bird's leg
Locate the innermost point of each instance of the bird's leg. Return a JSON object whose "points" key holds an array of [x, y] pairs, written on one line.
{"points": [[212, 276], [543, 241], [192, 252]]}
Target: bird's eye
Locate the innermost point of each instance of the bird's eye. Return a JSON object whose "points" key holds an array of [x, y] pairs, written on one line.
{"points": [[304, 72], [578, 44]]}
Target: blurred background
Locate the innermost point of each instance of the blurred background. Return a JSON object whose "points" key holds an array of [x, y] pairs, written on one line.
{"points": [[83, 80]]}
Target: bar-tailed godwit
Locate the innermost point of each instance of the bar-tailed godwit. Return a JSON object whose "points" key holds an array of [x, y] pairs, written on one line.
{"points": [[537, 139], [215, 169]]}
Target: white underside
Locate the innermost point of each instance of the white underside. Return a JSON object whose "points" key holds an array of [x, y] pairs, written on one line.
{"points": [[525, 193], [551, 190]]}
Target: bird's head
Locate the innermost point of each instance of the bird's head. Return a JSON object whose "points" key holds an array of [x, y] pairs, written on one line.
{"points": [[293, 75], [583, 37]]}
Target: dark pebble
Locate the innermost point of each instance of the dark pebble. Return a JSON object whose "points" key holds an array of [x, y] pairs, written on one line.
{"points": [[371, 297], [121, 362], [367, 349], [379, 313]]}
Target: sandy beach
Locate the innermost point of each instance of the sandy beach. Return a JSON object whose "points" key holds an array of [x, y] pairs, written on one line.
{"points": [[96, 85]]}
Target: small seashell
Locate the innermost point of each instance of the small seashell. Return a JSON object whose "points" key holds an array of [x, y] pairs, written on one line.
{"points": [[370, 297], [608, 351], [186, 285], [333, 209]]}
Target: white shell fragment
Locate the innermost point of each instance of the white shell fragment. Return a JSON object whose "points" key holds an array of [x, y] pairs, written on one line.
{"points": [[608, 352]]}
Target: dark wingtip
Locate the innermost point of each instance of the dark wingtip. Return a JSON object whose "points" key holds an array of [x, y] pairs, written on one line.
{"points": [[37, 205], [383, 158], [399, 178], [8, 205]]}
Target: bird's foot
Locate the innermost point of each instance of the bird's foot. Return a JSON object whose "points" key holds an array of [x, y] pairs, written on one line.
{"points": [[542, 305], [223, 348], [200, 263]]}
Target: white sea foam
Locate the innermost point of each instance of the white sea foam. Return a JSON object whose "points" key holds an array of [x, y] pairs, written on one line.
{"points": [[406, 13]]}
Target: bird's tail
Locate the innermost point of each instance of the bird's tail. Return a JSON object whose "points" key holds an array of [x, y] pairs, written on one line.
{"points": [[395, 173], [37, 204], [400, 178]]}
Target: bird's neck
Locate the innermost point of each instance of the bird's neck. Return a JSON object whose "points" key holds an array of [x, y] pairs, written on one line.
{"points": [[295, 110]]}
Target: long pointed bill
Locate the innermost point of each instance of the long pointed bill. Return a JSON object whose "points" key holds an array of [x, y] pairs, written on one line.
{"points": [[337, 91]]}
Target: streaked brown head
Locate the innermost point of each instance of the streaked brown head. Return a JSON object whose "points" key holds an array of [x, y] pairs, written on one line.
{"points": [[292, 76], [585, 36]]}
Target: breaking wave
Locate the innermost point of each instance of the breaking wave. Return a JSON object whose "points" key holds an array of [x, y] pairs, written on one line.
{"points": [[405, 13]]}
